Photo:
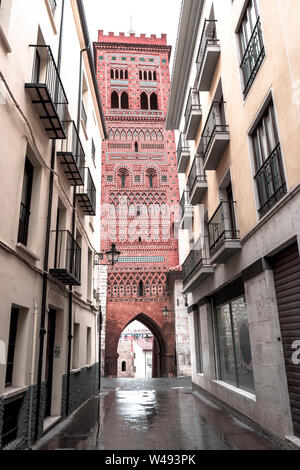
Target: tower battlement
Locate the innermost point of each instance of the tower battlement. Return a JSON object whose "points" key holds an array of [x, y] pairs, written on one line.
{"points": [[132, 38]]}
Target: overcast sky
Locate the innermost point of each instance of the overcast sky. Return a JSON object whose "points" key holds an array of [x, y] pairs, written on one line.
{"points": [[149, 17]]}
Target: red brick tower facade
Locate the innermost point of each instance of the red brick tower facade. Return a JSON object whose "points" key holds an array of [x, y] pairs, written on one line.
{"points": [[140, 192]]}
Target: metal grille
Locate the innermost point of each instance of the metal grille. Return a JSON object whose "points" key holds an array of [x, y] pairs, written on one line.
{"points": [[195, 174], [214, 124], [183, 146], [197, 257], [208, 38], [193, 103], [287, 284], [67, 259], [221, 226], [253, 57]]}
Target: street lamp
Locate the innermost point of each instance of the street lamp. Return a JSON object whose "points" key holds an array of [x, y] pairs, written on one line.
{"points": [[112, 256], [166, 311]]}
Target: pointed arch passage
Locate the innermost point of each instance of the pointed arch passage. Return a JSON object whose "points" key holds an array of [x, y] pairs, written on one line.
{"points": [[114, 100], [144, 101], [124, 100], [153, 101]]}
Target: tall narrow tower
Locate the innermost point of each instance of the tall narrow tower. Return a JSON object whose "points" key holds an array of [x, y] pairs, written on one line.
{"points": [[139, 191]]}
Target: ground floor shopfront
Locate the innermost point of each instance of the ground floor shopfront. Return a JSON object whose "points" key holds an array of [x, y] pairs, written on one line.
{"points": [[245, 325]]}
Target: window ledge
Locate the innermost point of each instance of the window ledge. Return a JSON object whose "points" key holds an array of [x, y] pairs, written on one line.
{"points": [[76, 371], [4, 41], [28, 252], [10, 392], [248, 395], [89, 366]]}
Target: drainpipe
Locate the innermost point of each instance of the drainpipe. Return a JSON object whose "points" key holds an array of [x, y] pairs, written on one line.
{"points": [[46, 253], [70, 322]]}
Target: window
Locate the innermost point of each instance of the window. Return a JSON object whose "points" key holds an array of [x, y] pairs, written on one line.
{"points": [[114, 100], [89, 274], [11, 415], [141, 75], [141, 289], [126, 74], [25, 203], [153, 101], [116, 74], [269, 174], [145, 75], [154, 76], [150, 75], [124, 100], [198, 342], [89, 345], [121, 74], [112, 74], [11, 346], [76, 332], [53, 6], [251, 45], [136, 147], [233, 344], [123, 366], [152, 178], [123, 175], [93, 150], [144, 101]]}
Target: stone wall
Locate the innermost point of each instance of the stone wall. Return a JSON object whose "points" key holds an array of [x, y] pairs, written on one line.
{"points": [[83, 385], [125, 351], [183, 346]]}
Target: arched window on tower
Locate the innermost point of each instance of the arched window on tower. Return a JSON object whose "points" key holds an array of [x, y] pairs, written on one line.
{"points": [[114, 100], [136, 147], [123, 177], [145, 75], [151, 178], [117, 74], [144, 101], [112, 75], [126, 74], [141, 75], [121, 74], [123, 366], [154, 76], [124, 100], [153, 101], [150, 75], [141, 289]]}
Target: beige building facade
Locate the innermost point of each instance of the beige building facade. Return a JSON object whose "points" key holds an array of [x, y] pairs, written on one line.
{"points": [[235, 102], [51, 128]]}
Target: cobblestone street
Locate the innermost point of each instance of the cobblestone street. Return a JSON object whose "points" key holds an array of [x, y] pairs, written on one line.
{"points": [[152, 414]]}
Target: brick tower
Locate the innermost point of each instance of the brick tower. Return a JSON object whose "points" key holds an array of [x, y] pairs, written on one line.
{"points": [[140, 192]]}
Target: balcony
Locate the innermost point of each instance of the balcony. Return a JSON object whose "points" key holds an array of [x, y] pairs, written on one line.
{"points": [[47, 93], [215, 136], [253, 57], [67, 258], [208, 55], [197, 182], [71, 155], [186, 210], [183, 154], [224, 238], [197, 266], [86, 194], [270, 181], [193, 115]]}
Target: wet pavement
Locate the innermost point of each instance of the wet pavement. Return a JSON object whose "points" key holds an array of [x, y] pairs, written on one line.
{"points": [[152, 414]]}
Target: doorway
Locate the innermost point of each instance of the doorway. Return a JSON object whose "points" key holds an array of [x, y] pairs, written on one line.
{"points": [[49, 360]]}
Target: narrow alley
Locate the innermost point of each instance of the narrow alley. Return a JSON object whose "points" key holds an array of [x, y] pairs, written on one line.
{"points": [[151, 414]]}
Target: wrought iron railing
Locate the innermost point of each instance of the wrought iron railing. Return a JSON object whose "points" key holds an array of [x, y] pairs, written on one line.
{"points": [[208, 38], [88, 188], [183, 146], [196, 174], [214, 124], [270, 180], [193, 103], [184, 202], [23, 224], [253, 57], [72, 144], [45, 72], [222, 226], [83, 114], [67, 253], [198, 257]]}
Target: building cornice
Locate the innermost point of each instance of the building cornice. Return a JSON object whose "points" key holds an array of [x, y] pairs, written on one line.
{"points": [[132, 47], [187, 35]]}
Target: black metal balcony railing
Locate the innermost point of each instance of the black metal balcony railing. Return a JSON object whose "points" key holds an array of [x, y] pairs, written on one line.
{"points": [[193, 103], [67, 258], [23, 224], [222, 226], [83, 114], [195, 175], [270, 180], [214, 124], [208, 38], [198, 257], [253, 57], [184, 202], [72, 155], [47, 92], [86, 194], [53, 6], [183, 146]]}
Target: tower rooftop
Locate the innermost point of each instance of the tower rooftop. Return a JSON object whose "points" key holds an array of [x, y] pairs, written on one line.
{"points": [[132, 38]]}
